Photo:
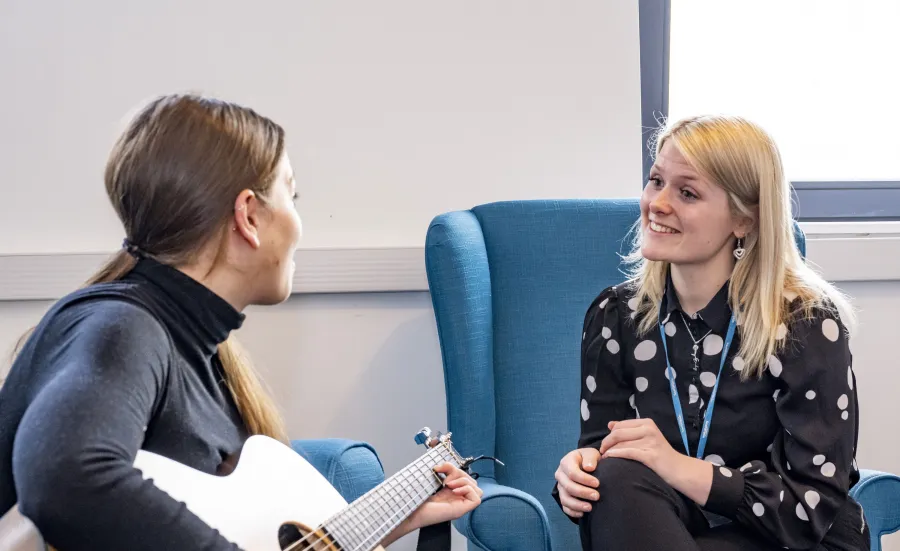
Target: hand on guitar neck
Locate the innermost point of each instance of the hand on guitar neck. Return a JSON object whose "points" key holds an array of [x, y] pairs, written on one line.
{"points": [[459, 495]]}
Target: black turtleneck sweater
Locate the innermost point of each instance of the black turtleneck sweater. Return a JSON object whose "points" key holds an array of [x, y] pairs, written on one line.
{"points": [[111, 369]]}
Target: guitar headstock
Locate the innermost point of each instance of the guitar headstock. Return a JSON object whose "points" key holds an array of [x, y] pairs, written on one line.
{"points": [[425, 438]]}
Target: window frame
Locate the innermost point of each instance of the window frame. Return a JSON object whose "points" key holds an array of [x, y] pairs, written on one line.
{"points": [[814, 201]]}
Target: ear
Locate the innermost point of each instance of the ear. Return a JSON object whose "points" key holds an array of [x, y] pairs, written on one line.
{"points": [[246, 217], [745, 224]]}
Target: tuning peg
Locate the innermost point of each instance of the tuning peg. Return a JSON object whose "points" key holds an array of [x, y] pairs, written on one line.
{"points": [[423, 436]]}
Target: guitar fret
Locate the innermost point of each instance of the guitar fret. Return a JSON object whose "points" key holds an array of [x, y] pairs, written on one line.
{"points": [[365, 517], [351, 539], [338, 534], [365, 523]]}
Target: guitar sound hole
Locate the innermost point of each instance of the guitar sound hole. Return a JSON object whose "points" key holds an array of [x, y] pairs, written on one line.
{"points": [[290, 533]]}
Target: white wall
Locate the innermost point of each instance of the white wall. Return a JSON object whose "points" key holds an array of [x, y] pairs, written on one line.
{"points": [[395, 110]]}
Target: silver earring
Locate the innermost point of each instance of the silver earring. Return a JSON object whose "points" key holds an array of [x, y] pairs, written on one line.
{"points": [[739, 250]]}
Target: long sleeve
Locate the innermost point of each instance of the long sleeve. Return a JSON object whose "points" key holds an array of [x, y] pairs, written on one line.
{"points": [[813, 452], [605, 396], [604, 393], [75, 446]]}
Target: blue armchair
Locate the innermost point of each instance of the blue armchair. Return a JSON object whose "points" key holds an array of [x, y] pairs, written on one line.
{"points": [[353, 468], [510, 283]]}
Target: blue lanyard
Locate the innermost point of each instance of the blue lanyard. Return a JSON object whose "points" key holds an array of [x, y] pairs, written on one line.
{"points": [[676, 402]]}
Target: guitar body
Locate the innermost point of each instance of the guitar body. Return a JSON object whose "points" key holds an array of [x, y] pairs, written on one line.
{"points": [[271, 485]]}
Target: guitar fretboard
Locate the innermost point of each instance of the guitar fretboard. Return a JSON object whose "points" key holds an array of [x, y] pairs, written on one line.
{"points": [[366, 522]]}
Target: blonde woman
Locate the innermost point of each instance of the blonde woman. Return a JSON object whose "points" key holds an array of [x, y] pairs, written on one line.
{"points": [[719, 405], [144, 357]]}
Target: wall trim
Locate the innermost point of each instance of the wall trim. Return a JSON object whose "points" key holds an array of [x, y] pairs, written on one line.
{"points": [[875, 257], [52, 276]]}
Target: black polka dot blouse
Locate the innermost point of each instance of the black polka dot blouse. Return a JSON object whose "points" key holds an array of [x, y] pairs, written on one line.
{"points": [[783, 445]]}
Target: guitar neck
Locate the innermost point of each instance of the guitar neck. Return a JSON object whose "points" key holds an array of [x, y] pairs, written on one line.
{"points": [[366, 522]]}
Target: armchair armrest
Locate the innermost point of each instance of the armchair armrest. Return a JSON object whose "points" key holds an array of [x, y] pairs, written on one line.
{"points": [[507, 520], [352, 467], [879, 495]]}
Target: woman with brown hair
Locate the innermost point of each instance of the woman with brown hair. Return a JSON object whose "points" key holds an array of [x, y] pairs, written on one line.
{"points": [[143, 356]]}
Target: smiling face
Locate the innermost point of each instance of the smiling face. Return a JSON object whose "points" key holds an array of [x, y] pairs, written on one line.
{"points": [[685, 218]]}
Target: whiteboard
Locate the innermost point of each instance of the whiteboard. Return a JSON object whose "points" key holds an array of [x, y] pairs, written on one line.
{"points": [[395, 111]]}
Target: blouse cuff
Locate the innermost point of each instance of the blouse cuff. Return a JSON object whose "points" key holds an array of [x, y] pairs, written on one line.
{"points": [[726, 493]]}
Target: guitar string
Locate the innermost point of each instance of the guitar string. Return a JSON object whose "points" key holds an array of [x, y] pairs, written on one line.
{"points": [[323, 537], [294, 546], [351, 535], [423, 474], [428, 474]]}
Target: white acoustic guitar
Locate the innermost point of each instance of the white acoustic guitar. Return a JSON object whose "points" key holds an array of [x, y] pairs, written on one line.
{"points": [[274, 500]]}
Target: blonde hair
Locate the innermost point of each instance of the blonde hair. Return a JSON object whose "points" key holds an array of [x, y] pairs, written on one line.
{"points": [[172, 179], [742, 159]]}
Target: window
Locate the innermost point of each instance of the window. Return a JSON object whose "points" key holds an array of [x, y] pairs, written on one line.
{"points": [[819, 75]]}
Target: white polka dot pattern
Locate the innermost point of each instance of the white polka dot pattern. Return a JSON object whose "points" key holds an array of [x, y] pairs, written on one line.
{"points": [[805, 390], [774, 366], [781, 332], [693, 394], [712, 344], [715, 460], [812, 498], [671, 329], [645, 351]]}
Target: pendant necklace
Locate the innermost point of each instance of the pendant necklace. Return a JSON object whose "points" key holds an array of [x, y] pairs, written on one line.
{"points": [[696, 342]]}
